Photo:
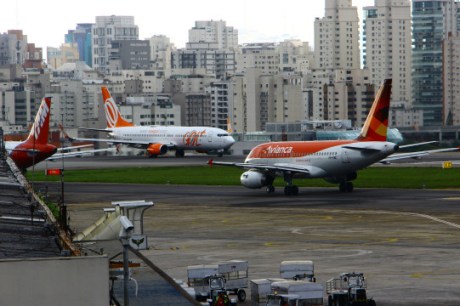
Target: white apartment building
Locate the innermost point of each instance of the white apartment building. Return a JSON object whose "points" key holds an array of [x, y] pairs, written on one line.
{"points": [[151, 110], [387, 47], [451, 80], [106, 29], [212, 35], [260, 98], [337, 36], [221, 95], [160, 54], [262, 56], [150, 80], [295, 56]]}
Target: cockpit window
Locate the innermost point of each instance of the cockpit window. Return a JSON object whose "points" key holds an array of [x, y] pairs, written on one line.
{"points": [[222, 135]]}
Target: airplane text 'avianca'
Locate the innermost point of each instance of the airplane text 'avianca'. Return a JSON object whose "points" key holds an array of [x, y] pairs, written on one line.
{"points": [[157, 139], [336, 161]]}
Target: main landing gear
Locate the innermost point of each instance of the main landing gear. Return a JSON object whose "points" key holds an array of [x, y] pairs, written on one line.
{"points": [[180, 153], [346, 187], [290, 189]]}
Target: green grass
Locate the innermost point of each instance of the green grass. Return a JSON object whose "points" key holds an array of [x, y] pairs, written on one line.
{"points": [[374, 177]]}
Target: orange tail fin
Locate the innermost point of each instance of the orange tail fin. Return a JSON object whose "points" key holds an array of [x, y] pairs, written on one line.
{"points": [[376, 125], [40, 129], [112, 114], [229, 126]]}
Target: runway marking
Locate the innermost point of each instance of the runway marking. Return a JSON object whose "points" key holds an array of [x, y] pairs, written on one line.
{"points": [[436, 220]]}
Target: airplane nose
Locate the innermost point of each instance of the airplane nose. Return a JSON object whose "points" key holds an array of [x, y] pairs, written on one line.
{"points": [[229, 140]]}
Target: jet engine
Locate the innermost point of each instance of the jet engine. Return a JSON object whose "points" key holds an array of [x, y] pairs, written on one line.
{"points": [[157, 149], [253, 179]]}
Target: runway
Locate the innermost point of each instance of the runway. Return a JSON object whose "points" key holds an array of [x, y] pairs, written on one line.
{"points": [[405, 241]]}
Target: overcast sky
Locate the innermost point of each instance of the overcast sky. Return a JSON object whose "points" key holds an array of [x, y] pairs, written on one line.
{"points": [[45, 22]]}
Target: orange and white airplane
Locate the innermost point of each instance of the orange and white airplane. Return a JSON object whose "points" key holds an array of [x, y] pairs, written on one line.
{"points": [[157, 139], [36, 147], [336, 161]]}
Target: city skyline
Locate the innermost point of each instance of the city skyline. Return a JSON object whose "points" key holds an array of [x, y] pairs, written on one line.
{"points": [[253, 19]]}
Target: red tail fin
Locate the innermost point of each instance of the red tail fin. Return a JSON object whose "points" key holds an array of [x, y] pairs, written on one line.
{"points": [[112, 114], [40, 128], [376, 125]]}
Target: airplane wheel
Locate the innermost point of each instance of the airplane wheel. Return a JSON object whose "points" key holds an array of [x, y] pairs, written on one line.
{"points": [[180, 153], [349, 186], [342, 187], [270, 189], [287, 190], [291, 190]]}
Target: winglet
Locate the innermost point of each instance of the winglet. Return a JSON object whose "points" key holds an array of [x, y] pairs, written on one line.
{"points": [[112, 114], [40, 129], [376, 125], [64, 133], [210, 162]]}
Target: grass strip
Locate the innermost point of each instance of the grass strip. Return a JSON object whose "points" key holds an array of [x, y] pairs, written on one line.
{"points": [[374, 177]]}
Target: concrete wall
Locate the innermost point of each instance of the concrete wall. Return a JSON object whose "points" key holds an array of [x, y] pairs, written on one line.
{"points": [[70, 281]]}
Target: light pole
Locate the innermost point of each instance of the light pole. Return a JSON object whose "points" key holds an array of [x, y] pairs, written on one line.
{"points": [[124, 236]]}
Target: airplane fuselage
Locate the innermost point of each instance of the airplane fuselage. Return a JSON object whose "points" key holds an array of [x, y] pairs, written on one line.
{"points": [[322, 159], [177, 137]]}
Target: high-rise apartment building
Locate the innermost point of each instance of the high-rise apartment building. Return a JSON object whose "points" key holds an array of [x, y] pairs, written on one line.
{"points": [[432, 21], [336, 52], [107, 29], [337, 36], [13, 48], [82, 37], [387, 46], [451, 80], [212, 35], [160, 54]]}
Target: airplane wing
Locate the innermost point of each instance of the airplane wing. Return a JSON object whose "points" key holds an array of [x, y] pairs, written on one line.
{"points": [[132, 143], [415, 155], [65, 149], [82, 153], [282, 167]]}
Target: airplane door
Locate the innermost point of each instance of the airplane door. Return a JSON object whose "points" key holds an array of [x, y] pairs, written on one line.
{"points": [[345, 157], [210, 137]]}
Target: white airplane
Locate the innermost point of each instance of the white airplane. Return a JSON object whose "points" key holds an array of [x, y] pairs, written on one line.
{"points": [[157, 139], [336, 161], [36, 147]]}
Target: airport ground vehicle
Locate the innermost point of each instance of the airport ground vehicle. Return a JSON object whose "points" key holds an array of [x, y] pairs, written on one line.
{"points": [[295, 293], [235, 273], [218, 295], [297, 269], [349, 289]]}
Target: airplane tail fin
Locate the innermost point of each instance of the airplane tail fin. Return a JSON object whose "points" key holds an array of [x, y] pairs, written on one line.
{"points": [[229, 126], [40, 129], [112, 114], [376, 125]]}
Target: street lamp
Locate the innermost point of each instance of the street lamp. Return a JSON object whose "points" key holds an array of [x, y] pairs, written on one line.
{"points": [[124, 236]]}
